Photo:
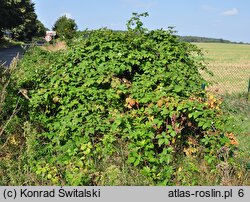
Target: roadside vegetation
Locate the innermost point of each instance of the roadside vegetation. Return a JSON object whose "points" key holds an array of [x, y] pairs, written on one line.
{"points": [[237, 107], [119, 108], [7, 43]]}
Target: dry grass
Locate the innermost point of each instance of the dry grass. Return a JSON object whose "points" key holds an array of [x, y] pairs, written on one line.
{"points": [[60, 45], [230, 64]]}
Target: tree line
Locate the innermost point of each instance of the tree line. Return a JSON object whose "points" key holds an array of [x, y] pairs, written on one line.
{"points": [[19, 20], [198, 39]]}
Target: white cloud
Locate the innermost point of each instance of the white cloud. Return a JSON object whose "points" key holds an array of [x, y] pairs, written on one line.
{"points": [[231, 12]]}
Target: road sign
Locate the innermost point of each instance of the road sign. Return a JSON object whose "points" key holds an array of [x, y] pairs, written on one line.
{"points": [[48, 38], [51, 33]]}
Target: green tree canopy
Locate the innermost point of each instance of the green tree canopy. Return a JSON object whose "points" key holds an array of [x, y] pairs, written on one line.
{"points": [[19, 17], [11, 13], [65, 27]]}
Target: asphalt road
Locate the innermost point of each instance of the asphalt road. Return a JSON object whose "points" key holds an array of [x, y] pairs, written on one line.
{"points": [[7, 54]]}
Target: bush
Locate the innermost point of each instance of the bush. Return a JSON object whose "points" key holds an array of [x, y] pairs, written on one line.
{"points": [[130, 102], [140, 90]]}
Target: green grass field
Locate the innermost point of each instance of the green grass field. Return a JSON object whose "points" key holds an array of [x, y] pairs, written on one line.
{"points": [[230, 64]]}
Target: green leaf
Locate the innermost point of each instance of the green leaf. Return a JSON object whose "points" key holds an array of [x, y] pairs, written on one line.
{"points": [[206, 125], [178, 88], [161, 141], [196, 114], [131, 159], [137, 161]]}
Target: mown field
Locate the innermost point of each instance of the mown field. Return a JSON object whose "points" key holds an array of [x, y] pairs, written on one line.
{"points": [[230, 64]]}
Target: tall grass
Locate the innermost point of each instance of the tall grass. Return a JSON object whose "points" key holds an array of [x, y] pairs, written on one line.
{"points": [[13, 155]]}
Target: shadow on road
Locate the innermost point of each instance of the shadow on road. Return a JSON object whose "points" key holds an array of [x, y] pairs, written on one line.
{"points": [[7, 55]]}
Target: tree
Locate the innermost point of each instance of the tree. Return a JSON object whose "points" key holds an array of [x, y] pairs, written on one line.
{"points": [[28, 30], [11, 14], [41, 29], [19, 17], [65, 27]]}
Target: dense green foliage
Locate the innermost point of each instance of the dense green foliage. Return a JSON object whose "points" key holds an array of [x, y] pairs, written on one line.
{"points": [[11, 13], [30, 29], [20, 20], [65, 27], [120, 100]]}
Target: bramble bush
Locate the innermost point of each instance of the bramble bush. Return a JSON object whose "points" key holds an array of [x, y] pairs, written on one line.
{"points": [[137, 91]]}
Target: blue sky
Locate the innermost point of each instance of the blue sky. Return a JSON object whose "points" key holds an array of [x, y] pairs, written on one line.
{"points": [[227, 19]]}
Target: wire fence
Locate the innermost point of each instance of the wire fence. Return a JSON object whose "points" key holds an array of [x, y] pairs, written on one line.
{"points": [[228, 79], [230, 64]]}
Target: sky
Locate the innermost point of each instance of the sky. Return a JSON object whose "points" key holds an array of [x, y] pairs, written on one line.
{"points": [[227, 19]]}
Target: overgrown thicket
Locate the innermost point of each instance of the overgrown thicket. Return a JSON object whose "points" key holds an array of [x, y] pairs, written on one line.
{"points": [[122, 108]]}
